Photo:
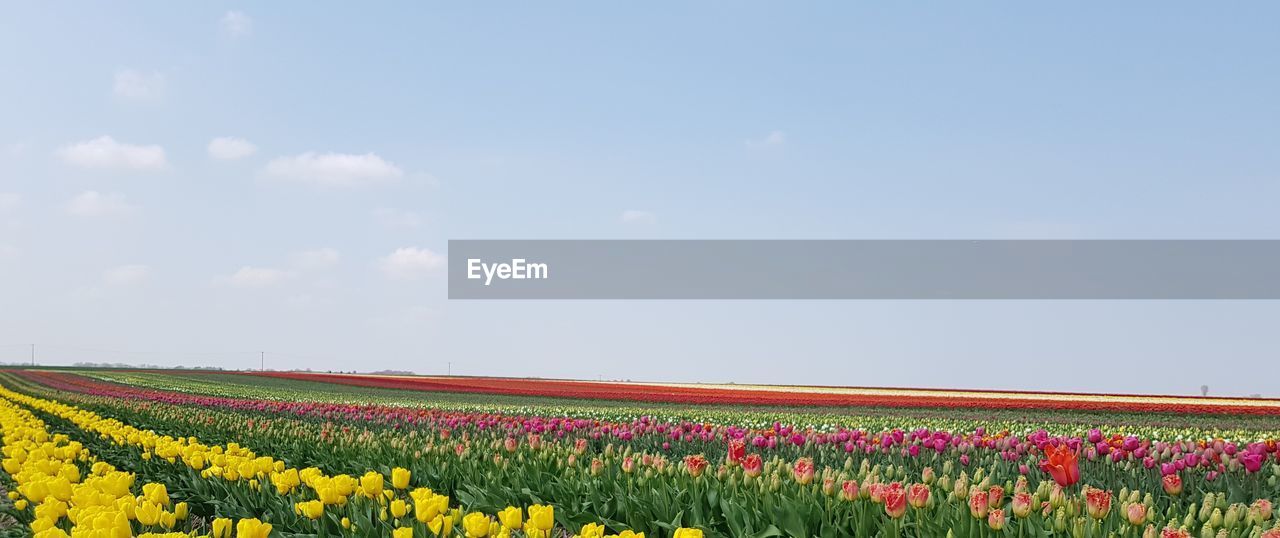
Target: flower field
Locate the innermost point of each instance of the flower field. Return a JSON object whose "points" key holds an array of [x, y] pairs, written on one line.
{"points": [[119, 453]]}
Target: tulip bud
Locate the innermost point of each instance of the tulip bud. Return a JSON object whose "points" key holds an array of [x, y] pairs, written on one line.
{"points": [[1236, 513], [1057, 497], [995, 519], [1136, 513], [1077, 528], [1215, 519]]}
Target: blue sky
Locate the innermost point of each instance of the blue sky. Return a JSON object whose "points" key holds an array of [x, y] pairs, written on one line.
{"points": [[186, 184]]}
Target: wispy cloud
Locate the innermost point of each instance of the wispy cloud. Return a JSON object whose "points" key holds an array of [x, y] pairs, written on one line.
{"points": [[137, 85], [410, 263], [236, 24], [106, 152], [249, 277], [127, 275], [333, 169], [773, 139], [316, 259], [93, 204], [635, 216], [229, 148]]}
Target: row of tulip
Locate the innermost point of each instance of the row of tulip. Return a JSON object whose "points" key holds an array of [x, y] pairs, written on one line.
{"points": [[747, 495], [253, 387], [798, 396], [61, 489], [1219, 465], [933, 506], [235, 479]]}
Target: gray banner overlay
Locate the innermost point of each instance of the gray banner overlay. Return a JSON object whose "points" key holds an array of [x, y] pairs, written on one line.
{"points": [[864, 269]]}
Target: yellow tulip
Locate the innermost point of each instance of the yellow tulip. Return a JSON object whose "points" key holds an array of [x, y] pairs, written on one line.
{"points": [[148, 513], [40, 524], [371, 484], [180, 511], [592, 530], [310, 509], [156, 493], [476, 525], [402, 532], [533, 531], [167, 520], [252, 528], [685, 532], [20, 504], [221, 528], [346, 523], [425, 508], [542, 517], [400, 478], [399, 508], [436, 524], [511, 517]]}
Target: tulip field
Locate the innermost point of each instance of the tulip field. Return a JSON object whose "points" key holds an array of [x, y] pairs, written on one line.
{"points": [[257, 454]]}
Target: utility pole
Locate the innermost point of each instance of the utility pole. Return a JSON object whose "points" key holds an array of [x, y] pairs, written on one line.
{"points": [[33, 354], [262, 361], [450, 370]]}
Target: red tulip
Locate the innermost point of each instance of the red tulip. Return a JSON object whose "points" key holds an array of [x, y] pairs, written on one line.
{"points": [[979, 504], [696, 464], [1172, 484], [737, 450], [918, 495], [803, 470], [895, 501], [849, 490], [752, 465], [1097, 502], [1062, 464]]}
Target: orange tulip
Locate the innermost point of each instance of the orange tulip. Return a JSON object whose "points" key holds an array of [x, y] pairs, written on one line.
{"points": [[1062, 464]]}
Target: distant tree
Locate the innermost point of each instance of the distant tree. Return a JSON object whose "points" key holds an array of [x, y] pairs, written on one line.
{"points": [[1204, 390]]}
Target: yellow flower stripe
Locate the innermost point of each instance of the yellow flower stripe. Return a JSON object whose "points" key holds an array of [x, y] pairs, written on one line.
{"points": [[51, 490], [238, 464]]}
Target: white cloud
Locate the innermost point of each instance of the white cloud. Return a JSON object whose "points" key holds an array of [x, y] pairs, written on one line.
{"points": [[131, 84], [775, 138], [397, 218], [96, 204], [408, 263], [316, 259], [635, 216], [256, 277], [236, 24], [9, 201], [105, 152], [126, 275], [229, 148], [333, 169]]}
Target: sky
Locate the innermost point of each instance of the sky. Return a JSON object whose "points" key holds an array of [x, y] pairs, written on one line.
{"points": [[196, 184]]}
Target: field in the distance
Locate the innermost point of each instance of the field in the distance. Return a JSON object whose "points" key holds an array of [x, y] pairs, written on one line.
{"points": [[372, 455]]}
